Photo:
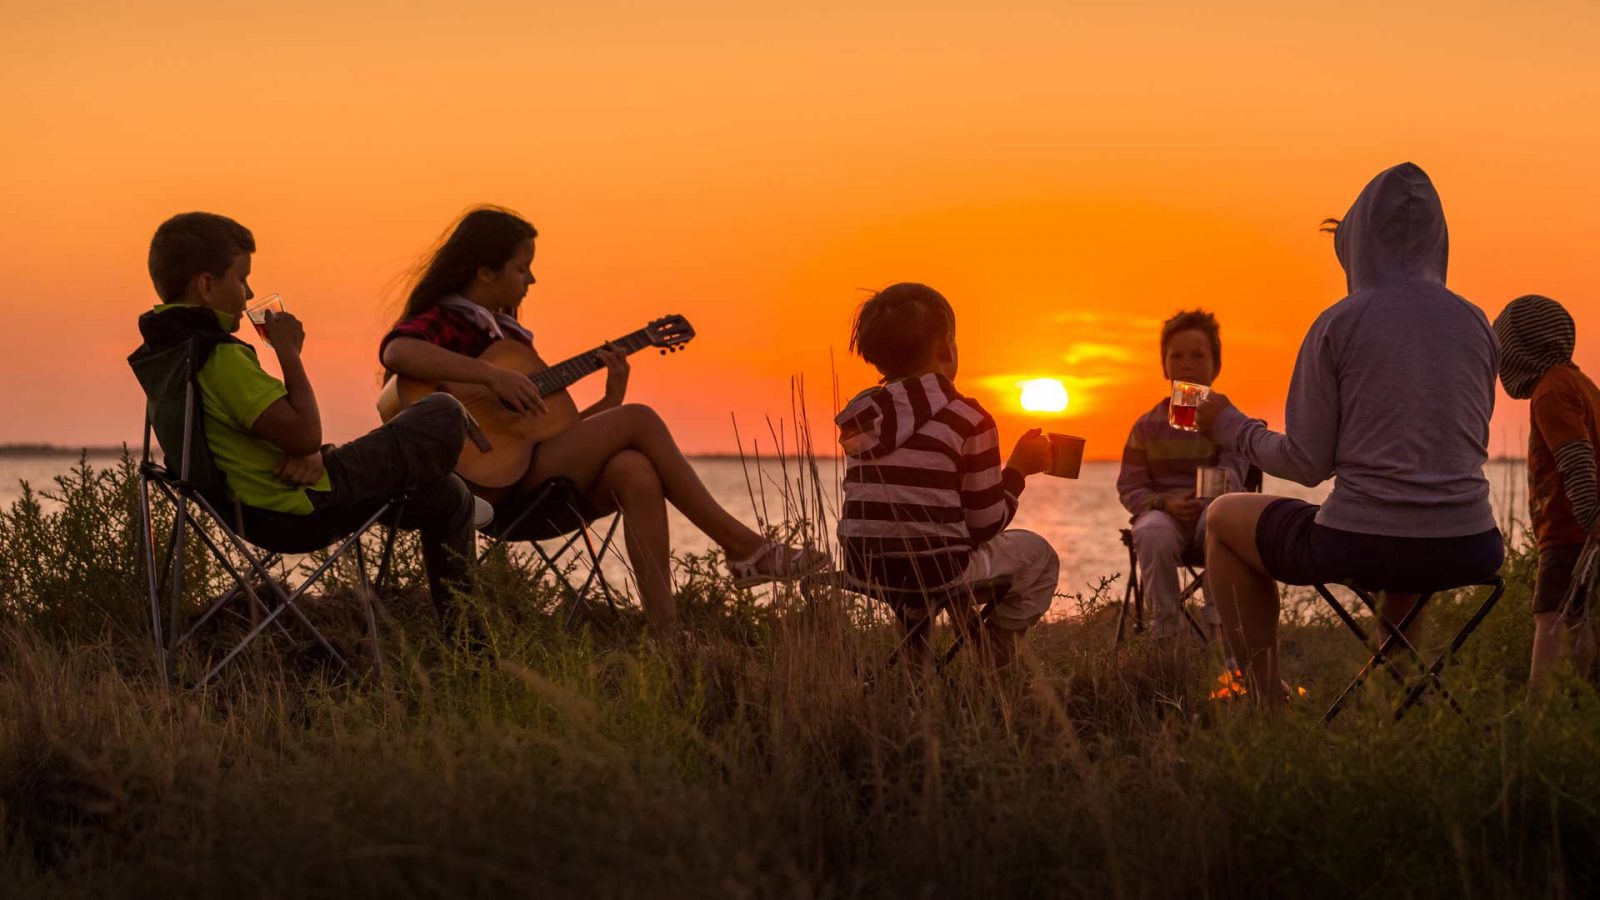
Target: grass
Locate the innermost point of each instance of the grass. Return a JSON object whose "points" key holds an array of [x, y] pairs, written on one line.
{"points": [[770, 755]]}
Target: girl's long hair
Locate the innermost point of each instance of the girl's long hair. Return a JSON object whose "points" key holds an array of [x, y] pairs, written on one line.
{"points": [[486, 237]]}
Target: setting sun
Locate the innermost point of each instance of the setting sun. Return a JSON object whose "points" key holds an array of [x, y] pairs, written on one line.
{"points": [[1044, 395]]}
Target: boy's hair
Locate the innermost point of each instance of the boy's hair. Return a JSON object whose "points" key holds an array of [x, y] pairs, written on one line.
{"points": [[1194, 320], [193, 243], [899, 328]]}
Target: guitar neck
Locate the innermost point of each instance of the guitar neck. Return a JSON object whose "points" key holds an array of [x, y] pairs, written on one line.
{"points": [[564, 374]]}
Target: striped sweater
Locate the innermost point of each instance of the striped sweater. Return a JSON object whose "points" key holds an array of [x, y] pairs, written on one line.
{"points": [[923, 485], [1160, 459]]}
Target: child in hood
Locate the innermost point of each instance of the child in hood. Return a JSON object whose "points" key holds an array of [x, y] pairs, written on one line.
{"points": [[926, 500], [1537, 337]]}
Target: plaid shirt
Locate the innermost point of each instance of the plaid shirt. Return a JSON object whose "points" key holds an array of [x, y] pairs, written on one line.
{"points": [[444, 328]]}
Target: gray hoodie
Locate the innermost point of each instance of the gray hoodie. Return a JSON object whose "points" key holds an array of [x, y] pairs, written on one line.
{"points": [[1394, 386]]}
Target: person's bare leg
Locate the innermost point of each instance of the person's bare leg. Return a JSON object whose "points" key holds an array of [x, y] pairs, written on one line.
{"points": [[1584, 651], [1549, 648], [582, 451], [628, 484], [1396, 607], [1246, 596]]}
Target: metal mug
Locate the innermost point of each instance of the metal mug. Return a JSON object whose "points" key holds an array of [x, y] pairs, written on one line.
{"points": [[1066, 455], [1211, 482]]}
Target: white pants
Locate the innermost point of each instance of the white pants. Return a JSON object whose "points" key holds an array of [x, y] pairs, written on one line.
{"points": [[1161, 543], [1034, 569]]}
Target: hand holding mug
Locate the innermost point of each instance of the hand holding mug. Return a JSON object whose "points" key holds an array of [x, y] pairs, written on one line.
{"points": [[1205, 415], [1184, 507], [284, 332], [1032, 453]]}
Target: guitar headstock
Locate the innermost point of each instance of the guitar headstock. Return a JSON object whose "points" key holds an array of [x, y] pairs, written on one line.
{"points": [[669, 334]]}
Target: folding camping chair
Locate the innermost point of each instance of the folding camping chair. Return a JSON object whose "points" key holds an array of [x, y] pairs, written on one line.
{"points": [[1382, 656], [554, 512], [1193, 564], [196, 483], [967, 606]]}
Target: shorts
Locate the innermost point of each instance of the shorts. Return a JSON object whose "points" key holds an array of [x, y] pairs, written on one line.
{"points": [[1296, 550], [1555, 577]]}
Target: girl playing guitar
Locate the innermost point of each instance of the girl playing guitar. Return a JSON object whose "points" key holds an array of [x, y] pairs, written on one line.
{"points": [[621, 455]]}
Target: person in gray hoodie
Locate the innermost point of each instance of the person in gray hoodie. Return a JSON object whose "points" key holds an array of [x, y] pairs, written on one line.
{"points": [[1391, 397]]}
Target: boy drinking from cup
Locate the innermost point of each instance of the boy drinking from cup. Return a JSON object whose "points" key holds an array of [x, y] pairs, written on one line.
{"points": [[926, 500], [265, 434], [1159, 468]]}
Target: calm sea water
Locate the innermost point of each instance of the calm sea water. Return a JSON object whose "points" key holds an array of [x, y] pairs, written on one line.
{"points": [[1079, 517]]}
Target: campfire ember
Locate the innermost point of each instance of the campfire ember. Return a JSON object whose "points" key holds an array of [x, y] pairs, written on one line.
{"points": [[1230, 684]]}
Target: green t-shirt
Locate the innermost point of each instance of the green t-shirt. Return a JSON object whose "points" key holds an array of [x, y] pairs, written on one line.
{"points": [[234, 391]]}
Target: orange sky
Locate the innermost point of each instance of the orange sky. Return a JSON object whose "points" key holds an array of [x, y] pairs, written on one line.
{"points": [[1068, 174]]}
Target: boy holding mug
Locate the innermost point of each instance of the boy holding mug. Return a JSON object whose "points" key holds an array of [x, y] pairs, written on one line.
{"points": [[1159, 464]]}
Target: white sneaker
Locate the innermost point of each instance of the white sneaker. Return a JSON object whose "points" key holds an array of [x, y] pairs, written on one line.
{"points": [[482, 513]]}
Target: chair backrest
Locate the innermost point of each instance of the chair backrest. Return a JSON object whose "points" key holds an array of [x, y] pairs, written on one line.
{"points": [[170, 379], [1252, 479]]}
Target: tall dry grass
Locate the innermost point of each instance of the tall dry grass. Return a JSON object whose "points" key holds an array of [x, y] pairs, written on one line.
{"points": [[771, 755]]}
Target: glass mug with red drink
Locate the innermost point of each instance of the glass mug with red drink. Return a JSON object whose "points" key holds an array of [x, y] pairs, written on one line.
{"points": [[1186, 396], [257, 311]]}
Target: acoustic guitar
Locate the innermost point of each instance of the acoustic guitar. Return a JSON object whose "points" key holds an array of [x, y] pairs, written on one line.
{"points": [[498, 455]]}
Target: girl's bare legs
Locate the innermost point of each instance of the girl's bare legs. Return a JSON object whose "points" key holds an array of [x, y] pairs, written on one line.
{"points": [[628, 484], [583, 451], [1246, 596]]}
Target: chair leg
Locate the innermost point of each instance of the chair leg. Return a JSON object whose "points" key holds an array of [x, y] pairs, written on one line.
{"points": [[1361, 635], [914, 633], [179, 521], [147, 545], [1129, 592], [552, 562], [287, 600], [1196, 580], [1397, 637], [970, 629], [594, 572], [222, 602], [1382, 655], [595, 559], [368, 600], [387, 557], [1498, 586]]}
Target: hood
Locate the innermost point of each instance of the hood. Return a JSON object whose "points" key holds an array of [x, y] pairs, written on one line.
{"points": [[880, 420], [174, 323], [1536, 334], [1394, 231]]}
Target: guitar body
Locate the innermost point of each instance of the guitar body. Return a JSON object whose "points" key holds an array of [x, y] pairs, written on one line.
{"points": [[512, 435]]}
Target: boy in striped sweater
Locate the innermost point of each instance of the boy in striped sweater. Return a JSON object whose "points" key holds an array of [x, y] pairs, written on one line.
{"points": [[1157, 481], [1537, 337], [926, 501]]}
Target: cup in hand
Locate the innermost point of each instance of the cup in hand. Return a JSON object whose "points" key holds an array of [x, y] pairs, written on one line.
{"points": [[1211, 482], [1185, 397], [1066, 455], [257, 311]]}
